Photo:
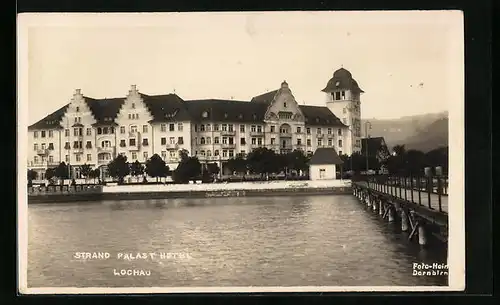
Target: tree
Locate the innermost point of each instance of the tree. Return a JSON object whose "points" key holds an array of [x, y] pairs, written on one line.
{"points": [[32, 175], [261, 161], [137, 169], [50, 173], [237, 164], [155, 167], [213, 169], [438, 157], [189, 168], [85, 171], [297, 160], [119, 168], [399, 150], [61, 172], [414, 162], [96, 173]]}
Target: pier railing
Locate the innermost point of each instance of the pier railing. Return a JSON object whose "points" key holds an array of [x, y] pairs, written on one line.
{"points": [[431, 192]]}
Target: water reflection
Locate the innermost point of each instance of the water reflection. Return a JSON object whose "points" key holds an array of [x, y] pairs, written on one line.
{"points": [[281, 241]]}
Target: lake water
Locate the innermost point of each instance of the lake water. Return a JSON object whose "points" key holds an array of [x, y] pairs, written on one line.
{"points": [[268, 241]]}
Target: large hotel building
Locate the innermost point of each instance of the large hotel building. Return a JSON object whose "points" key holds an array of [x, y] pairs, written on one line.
{"points": [[94, 131]]}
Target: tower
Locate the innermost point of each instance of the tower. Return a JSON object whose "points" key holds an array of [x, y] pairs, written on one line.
{"points": [[343, 99]]}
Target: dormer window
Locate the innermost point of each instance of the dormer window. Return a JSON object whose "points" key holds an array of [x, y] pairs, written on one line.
{"points": [[284, 104], [133, 105], [317, 120], [77, 109], [337, 84], [204, 114], [225, 115]]}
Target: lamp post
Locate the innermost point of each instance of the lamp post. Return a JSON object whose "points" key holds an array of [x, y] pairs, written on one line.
{"points": [[368, 125]]}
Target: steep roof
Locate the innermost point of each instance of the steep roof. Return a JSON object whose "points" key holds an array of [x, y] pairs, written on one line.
{"points": [[166, 108], [320, 116], [105, 110], [51, 121], [226, 110], [325, 155], [374, 145], [266, 97], [342, 79]]}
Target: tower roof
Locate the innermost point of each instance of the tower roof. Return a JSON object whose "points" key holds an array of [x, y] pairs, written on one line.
{"points": [[342, 79]]}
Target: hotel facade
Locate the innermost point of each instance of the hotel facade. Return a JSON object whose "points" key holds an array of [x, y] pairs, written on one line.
{"points": [[94, 131]]}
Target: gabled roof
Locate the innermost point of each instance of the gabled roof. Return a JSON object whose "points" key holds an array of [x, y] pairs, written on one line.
{"points": [[105, 110], [51, 121], [265, 98], [226, 110], [374, 145], [166, 108], [325, 155], [320, 116]]}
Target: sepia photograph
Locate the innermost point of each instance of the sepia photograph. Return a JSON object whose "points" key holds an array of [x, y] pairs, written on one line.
{"points": [[241, 152]]}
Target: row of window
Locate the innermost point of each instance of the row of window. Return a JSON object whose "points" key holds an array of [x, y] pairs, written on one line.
{"points": [[258, 128], [256, 141], [44, 146]]}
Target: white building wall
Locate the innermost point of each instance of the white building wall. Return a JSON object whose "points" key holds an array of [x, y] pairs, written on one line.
{"points": [[170, 150], [329, 172]]}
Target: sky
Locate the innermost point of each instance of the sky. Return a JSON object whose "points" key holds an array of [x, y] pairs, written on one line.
{"points": [[404, 61]]}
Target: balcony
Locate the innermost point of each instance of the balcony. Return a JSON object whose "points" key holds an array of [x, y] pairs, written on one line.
{"points": [[108, 149], [40, 164], [285, 135], [172, 146], [320, 136], [134, 147], [42, 152], [228, 132], [77, 150], [257, 133], [228, 146]]}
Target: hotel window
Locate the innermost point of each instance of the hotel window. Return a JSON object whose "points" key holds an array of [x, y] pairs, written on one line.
{"points": [[35, 159], [43, 159], [172, 140], [89, 157], [340, 143], [66, 158], [273, 128], [340, 152], [35, 147], [216, 152], [163, 155], [105, 144], [254, 141], [318, 131], [66, 132], [133, 105], [43, 133], [122, 143], [308, 130], [224, 140], [163, 141], [67, 145], [105, 130], [180, 140], [329, 142], [51, 133], [88, 145], [145, 155], [129, 116], [243, 141], [299, 141], [209, 153], [171, 127], [337, 95], [202, 127], [299, 130], [308, 142], [51, 146], [259, 129], [259, 141], [134, 156], [145, 142], [77, 109], [122, 129], [339, 132], [99, 130], [163, 127], [202, 140], [252, 128], [209, 140], [230, 127], [51, 159], [329, 131], [179, 127], [284, 104], [231, 140], [343, 95], [320, 142], [173, 154], [35, 134], [242, 128], [273, 141], [43, 146], [131, 142], [133, 129], [78, 158], [243, 153], [145, 128], [231, 153], [202, 153], [216, 127], [224, 127], [224, 153], [322, 173], [89, 131], [216, 140], [208, 127]]}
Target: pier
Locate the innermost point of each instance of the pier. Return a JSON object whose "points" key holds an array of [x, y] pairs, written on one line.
{"points": [[418, 205]]}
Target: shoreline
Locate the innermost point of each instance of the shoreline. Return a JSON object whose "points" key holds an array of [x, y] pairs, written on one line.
{"points": [[229, 190]]}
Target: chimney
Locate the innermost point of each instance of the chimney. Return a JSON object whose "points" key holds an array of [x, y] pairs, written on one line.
{"points": [[78, 91]]}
